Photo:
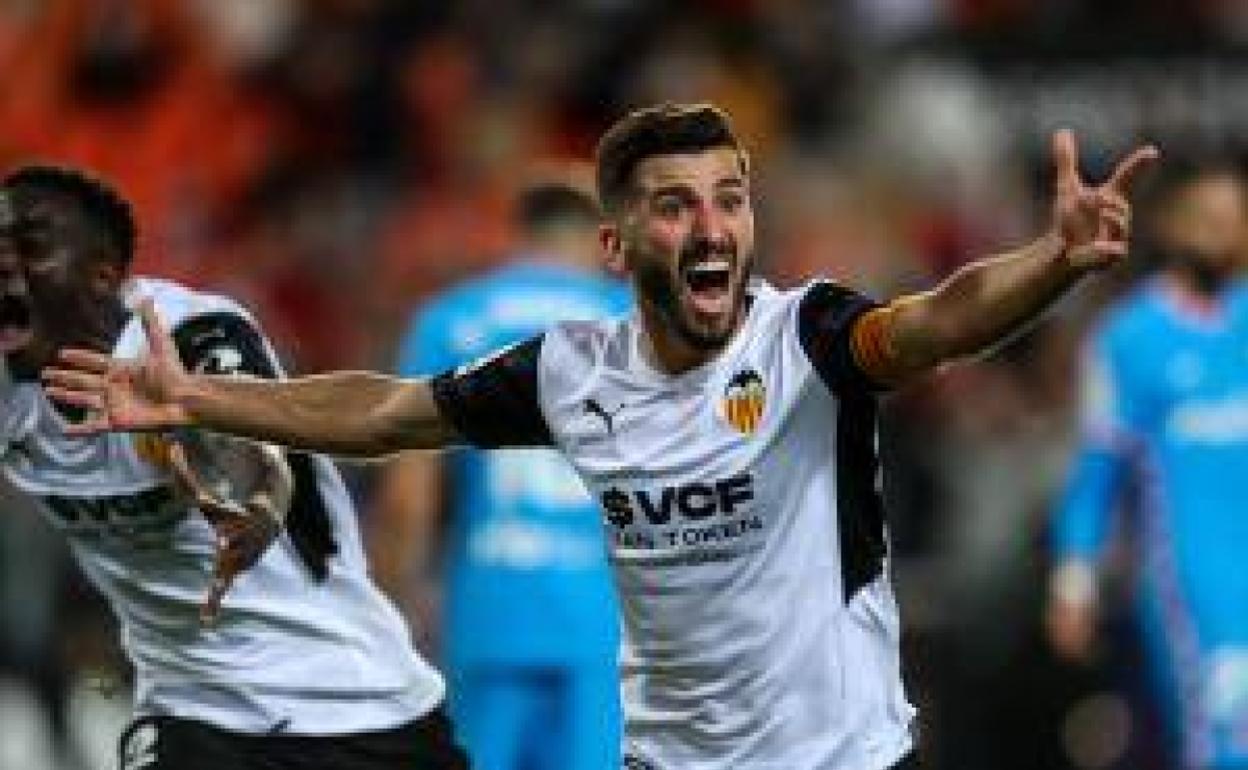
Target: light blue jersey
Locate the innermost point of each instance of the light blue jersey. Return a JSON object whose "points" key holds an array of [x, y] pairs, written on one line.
{"points": [[530, 619], [1166, 439]]}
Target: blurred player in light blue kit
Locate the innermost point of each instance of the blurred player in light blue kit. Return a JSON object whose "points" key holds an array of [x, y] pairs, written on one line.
{"points": [[1165, 435], [529, 617]]}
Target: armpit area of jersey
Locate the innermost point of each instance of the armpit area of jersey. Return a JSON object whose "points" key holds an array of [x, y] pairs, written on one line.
{"points": [[494, 402]]}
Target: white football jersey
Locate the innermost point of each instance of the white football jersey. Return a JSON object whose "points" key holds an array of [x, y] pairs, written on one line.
{"points": [[289, 652], [745, 526]]}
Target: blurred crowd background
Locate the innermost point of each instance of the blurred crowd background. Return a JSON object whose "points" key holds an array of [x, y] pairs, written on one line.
{"points": [[334, 162]]}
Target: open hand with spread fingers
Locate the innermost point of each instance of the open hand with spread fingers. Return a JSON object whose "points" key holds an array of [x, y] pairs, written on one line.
{"points": [[1094, 221], [122, 394]]}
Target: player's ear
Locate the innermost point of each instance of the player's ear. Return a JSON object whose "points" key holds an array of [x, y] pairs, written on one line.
{"points": [[612, 247]]}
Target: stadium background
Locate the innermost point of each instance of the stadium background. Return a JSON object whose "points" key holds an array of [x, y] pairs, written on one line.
{"points": [[332, 162]]}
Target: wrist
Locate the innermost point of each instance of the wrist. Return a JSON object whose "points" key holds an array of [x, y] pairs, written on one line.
{"points": [[186, 397], [1055, 250], [1052, 245]]}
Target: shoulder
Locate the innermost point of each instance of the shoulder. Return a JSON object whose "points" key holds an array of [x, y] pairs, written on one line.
{"points": [[823, 307], [213, 332], [1237, 297], [179, 306], [177, 303], [825, 293], [583, 341], [574, 353]]}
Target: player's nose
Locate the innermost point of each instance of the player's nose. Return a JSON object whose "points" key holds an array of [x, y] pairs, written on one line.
{"points": [[710, 224]]}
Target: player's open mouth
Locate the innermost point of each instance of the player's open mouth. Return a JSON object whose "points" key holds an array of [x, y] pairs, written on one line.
{"points": [[15, 328], [709, 282]]}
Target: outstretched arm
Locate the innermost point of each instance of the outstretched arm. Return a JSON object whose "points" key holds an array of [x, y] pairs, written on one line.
{"points": [[348, 413], [986, 301], [358, 414]]}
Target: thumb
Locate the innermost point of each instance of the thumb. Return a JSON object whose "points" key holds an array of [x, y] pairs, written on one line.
{"points": [[223, 575], [1065, 160], [154, 329]]}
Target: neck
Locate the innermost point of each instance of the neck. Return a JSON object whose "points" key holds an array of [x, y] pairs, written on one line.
{"points": [[665, 349], [102, 334]]}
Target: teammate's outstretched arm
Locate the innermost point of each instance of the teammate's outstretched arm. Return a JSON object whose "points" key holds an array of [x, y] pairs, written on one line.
{"points": [[987, 300], [359, 414]]}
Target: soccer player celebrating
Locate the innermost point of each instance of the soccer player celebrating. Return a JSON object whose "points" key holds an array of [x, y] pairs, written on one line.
{"points": [[727, 429], [303, 656]]}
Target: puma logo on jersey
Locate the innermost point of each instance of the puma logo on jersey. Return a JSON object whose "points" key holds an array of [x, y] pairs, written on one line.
{"points": [[698, 500], [592, 407]]}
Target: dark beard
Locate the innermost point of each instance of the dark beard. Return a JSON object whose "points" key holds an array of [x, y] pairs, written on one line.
{"points": [[1206, 278], [657, 287]]}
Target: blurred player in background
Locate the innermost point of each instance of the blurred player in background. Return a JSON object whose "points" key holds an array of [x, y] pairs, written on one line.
{"points": [[304, 656], [529, 619], [727, 428], [1165, 436]]}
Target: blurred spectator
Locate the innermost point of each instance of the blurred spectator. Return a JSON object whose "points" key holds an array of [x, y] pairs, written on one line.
{"points": [[133, 91]]}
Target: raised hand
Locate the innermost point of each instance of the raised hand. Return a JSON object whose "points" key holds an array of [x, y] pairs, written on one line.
{"points": [[122, 394], [1094, 222], [243, 532]]}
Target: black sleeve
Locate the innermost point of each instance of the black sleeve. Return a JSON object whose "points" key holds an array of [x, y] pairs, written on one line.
{"points": [[825, 321], [222, 343], [494, 403], [227, 343]]}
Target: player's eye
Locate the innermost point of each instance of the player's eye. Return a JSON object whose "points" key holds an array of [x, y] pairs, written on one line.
{"points": [[669, 206], [730, 202]]}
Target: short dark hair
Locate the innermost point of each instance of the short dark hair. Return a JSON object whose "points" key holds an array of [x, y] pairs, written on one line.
{"points": [[100, 202], [543, 205], [663, 129], [1183, 169]]}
